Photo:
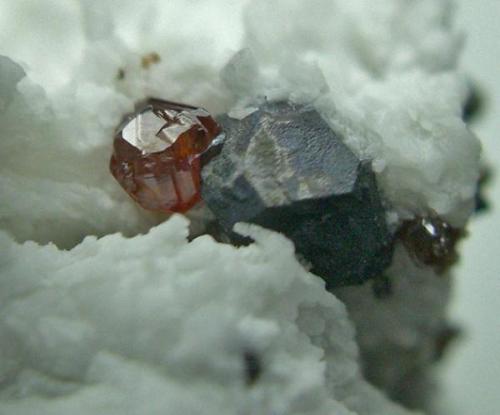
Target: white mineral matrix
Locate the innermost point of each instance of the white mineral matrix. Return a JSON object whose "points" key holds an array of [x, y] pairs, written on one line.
{"points": [[108, 309]]}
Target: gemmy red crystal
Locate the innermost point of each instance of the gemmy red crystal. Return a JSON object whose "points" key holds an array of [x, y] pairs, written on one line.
{"points": [[156, 156]]}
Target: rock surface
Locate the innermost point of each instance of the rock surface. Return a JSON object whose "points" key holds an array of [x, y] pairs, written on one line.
{"points": [[155, 325], [284, 168]]}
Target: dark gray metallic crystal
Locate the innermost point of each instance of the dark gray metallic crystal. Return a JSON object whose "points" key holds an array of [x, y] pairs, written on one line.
{"points": [[284, 168]]}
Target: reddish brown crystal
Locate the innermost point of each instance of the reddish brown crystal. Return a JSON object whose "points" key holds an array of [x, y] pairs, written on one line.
{"points": [[156, 156], [431, 241]]}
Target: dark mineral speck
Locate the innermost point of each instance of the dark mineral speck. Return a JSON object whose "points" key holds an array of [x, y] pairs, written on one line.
{"points": [[474, 105], [431, 241], [482, 204], [253, 367], [284, 168], [120, 75]]}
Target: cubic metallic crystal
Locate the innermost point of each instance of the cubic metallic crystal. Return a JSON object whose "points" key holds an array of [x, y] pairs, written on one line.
{"points": [[284, 168], [157, 150]]}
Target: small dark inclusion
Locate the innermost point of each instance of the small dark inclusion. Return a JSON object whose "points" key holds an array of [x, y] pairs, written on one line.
{"points": [[482, 203], [253, 367], [474, 104], [284, 168]]}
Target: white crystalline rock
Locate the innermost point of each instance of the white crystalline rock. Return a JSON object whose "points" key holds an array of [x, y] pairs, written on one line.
{"points": [[381, 73], [155, 324], [152, 324]]}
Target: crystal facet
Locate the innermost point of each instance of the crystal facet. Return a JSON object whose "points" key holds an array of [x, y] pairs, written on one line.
{"points": [[157, 150], [284, 168]]}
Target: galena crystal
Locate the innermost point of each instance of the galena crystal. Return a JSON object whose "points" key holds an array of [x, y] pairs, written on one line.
{"points": [[156, 156], [284, 168]]}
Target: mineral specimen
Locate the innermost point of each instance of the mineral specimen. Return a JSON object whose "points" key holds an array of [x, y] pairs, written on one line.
{"points": [[253, 367], [473, 105], [481, 201], [150, 59], [156, 154], [284, 168], [431, 241]]}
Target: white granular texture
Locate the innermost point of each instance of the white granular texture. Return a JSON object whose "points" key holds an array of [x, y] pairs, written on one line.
{"points": [[155, 324], [152, 324]]}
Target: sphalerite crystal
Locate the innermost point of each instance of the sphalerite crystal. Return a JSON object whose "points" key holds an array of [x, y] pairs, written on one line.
{"points": [[431, 241], [157, 150], [284, 168]]}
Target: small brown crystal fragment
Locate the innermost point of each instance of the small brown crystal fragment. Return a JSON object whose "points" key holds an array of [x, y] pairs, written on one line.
{"points": [[157, 150], [431, 241], [150, 59]]}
